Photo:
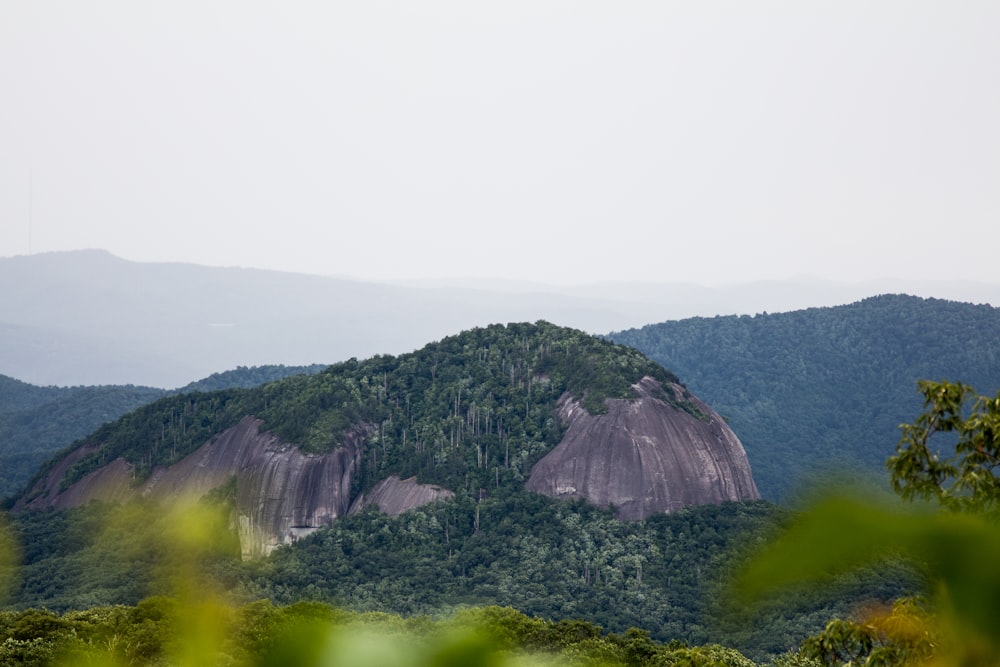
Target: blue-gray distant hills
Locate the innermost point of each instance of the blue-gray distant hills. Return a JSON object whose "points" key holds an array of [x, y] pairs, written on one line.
{"points": [[825, 387], [90, 318]]}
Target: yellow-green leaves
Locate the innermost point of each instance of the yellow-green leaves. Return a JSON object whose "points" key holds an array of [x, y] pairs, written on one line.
{"points": [[9, 558]]}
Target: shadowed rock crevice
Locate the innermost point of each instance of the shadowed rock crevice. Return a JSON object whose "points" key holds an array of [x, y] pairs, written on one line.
{"points": [[645, 456]]}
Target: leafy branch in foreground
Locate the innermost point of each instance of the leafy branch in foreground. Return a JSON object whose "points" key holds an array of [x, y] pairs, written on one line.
{"points": [[965, 480]]}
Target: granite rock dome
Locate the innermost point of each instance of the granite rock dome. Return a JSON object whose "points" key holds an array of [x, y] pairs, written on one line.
{"points": [[645, 455]]}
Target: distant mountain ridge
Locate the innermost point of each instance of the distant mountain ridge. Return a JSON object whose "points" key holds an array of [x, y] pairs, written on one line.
{"points": [[826, 387], [89, 318]]}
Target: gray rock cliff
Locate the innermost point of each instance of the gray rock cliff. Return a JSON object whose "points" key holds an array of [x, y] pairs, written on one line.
{"points": [[644, 456], [282, 494], [394, 496]]}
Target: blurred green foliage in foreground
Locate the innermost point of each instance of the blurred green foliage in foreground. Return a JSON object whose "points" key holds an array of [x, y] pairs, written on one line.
{"points": [[951, 533], [168, 631], [198, 625]]}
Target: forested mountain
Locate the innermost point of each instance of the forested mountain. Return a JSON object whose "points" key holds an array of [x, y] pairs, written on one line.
{"points": [[825, 386], [36, 422], [471, 415], [243, 377], [486, 411], [508, 376]]}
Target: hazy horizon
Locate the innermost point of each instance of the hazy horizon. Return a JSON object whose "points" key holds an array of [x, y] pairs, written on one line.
{"points": [[516, 284], [553, 142]]}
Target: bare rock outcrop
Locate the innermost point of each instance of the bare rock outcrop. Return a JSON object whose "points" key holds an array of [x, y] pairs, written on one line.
{"points": [[394, 495], [645, 456], [282, 494]]}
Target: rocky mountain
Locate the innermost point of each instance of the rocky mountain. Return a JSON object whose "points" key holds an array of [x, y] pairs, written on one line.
{"points": [[481, 413]]}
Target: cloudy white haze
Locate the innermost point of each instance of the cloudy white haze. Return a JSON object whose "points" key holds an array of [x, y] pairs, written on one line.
{"points": [[565, 142]]}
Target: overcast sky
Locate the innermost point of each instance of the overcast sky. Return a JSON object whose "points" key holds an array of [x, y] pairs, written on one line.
{"points": [[565, 142]]}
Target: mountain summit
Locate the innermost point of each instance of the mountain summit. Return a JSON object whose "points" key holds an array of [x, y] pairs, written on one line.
{"points": [[480, 413]]}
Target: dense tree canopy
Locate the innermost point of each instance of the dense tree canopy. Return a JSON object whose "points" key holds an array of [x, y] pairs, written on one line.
{"points": [[471, 412], [544, 557]]}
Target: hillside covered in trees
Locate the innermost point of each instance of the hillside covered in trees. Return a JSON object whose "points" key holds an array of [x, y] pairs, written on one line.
{"points": [[825, 387], [473, 413]]}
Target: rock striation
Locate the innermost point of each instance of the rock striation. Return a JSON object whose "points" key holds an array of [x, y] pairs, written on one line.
{"points": [[281, 493], [645, 455], [394, 496]]}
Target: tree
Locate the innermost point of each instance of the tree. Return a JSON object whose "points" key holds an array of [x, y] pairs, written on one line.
{"points": [[966, 479], [900, 636]]}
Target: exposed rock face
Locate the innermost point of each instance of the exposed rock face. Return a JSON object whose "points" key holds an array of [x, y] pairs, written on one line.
{"points": [[644, 456], [394, 495], [281, 493]]}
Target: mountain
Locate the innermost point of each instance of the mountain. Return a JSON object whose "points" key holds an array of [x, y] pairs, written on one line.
{"points": [[35, 422], [826, 387], [484, 412], [402, 484], [89, 318]]}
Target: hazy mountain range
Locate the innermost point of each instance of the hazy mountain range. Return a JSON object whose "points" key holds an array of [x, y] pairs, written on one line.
{"points": [[88, 317]]}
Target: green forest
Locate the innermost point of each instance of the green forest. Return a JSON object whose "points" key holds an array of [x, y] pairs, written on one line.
{"points": [[803, 390], [564, 562]]}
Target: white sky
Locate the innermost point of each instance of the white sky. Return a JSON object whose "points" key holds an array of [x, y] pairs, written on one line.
{"points": [[565, 142]]}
